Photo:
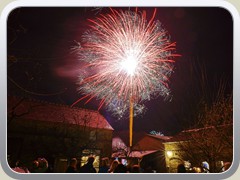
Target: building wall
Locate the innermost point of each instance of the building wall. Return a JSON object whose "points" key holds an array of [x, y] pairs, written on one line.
{"points": [[57, 142], [175, 155]]}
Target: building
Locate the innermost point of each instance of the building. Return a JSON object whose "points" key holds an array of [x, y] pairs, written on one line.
{"points": [[153, 146], [206, 149], [55, 132], [147, 150]]}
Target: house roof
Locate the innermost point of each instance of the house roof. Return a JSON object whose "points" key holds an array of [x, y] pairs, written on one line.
{"points": [[136, 154], [151, 142], [30, 109], [141, 141], [199, 132], [123, 136], [163, 138]]}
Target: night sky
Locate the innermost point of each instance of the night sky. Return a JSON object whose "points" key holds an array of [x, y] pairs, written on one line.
{"points": [[41, 60]]}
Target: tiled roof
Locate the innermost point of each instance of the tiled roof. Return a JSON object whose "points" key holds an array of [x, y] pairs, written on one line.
{"points": [[50, 112]]}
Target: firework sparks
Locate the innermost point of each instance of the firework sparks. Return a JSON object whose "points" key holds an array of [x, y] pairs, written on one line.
{"points": [[125, 56]]}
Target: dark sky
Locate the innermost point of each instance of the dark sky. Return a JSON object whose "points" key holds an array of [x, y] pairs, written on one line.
{"points": [[41, 59]]}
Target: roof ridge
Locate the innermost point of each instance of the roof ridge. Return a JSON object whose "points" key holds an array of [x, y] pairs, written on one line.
{"points": [[208, 127], [159, 137], [53, 103]]}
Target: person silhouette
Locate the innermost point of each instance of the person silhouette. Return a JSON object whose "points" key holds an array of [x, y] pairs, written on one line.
{"points": [[88, 168]]}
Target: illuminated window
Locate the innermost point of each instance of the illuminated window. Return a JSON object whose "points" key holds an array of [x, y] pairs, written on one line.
{"points": [[91, 152]]}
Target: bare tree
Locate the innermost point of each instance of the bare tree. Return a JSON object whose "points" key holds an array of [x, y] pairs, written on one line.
{"points": [[211, 137], [206, 119]]}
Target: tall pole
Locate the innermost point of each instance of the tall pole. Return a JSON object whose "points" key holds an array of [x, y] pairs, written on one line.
{"points": [[130, 122]]}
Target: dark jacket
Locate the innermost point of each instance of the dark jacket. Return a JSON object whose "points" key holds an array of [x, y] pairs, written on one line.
{"points": [[71, 169], [103, 169], [87, 168]]}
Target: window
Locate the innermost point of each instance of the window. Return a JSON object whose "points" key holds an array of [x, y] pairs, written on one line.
{"points": [[91, 152], [92, 135]]}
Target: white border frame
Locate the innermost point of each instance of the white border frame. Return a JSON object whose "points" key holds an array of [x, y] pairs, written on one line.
{"points": [[121, 3]]}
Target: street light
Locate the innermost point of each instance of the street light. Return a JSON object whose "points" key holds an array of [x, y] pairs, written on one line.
{"points": [[169, 154]]}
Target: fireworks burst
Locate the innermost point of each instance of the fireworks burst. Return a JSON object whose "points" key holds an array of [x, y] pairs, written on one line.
{"points": [[125, 57]]}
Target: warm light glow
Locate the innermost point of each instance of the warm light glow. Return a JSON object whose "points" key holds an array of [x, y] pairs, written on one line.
{"points": [[197, 169], [169, 153], [131, 122], [129, 64]]}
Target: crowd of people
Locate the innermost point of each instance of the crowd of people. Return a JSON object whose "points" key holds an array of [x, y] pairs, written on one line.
{"points": [[115, 166], [40, 165], [74, 166]]}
